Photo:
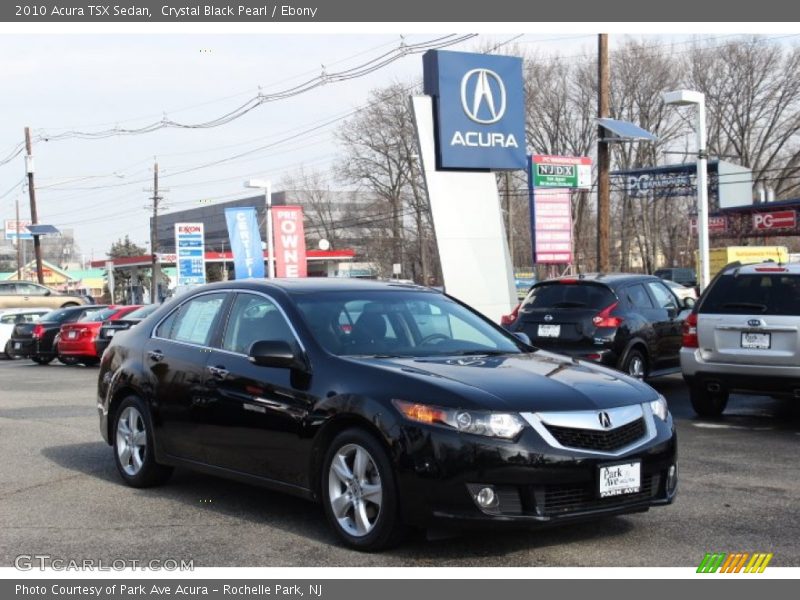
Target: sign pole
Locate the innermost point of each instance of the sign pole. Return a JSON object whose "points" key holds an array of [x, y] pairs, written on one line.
{"points": [[19, 248], [532, 209]]}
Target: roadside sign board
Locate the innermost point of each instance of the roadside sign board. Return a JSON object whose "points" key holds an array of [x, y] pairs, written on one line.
{"points": [[16, 230], [552, 227], [715, 225], [779, 219], [190, 253], [561, 171]]}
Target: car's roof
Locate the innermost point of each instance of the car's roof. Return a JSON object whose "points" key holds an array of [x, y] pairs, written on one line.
{"points": [[317, 284], [30, 309], [763, 268], [610, 279]]}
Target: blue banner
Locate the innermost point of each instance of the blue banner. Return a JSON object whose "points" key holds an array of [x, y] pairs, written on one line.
{"points": [[248, 257]]}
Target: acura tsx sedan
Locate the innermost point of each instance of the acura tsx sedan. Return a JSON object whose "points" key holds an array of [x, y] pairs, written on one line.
{"points": [[392, 405]]}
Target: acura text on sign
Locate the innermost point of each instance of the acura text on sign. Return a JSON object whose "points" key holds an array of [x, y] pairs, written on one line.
{"points": [[290, 241]]}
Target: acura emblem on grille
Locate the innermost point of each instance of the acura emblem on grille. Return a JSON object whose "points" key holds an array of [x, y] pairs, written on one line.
{"points": [[548, 317], [605, 420]]}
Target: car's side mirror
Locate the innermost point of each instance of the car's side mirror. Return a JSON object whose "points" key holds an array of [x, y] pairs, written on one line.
{"points": [[276, 353], [689, 302], [523, 337]]}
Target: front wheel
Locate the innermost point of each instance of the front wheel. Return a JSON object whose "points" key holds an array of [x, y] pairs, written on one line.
{"points": [[359, 494], [68, 304], [133, 445], [707, 403]]}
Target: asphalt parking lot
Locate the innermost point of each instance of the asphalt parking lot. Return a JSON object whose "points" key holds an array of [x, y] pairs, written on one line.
{"points": [[60, 495]]}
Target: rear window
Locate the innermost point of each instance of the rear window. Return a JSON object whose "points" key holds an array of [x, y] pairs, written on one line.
{"points": [[141, 313], [57, 316], [757, 294], [569, 295], [98, 315]]}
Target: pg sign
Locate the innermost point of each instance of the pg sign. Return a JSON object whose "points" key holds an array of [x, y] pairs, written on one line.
{"points": [[779, 219], [479, 109]]}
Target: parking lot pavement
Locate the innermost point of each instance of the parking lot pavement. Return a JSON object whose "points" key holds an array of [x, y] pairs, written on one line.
{"points": [[60, 495]]}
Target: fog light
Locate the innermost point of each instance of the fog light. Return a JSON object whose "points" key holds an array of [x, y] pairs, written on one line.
{"points": [[486, 498], [672, 479]]}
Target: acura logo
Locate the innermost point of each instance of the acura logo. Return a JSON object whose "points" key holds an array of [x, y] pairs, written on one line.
{"points": [[605, 420], [548, 317], [755, 323], [483, 96]]}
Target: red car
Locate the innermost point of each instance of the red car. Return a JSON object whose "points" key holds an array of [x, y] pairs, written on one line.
{"points": [[76, 340]]}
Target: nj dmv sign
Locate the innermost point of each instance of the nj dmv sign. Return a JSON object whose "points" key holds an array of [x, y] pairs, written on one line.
{"points": [[479, 109]]}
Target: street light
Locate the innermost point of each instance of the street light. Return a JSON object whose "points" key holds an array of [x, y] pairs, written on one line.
{"points": [[265, 185], [684, 98]]}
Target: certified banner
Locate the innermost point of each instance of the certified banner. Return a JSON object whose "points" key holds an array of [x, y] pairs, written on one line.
{"points": [[190, 251], [290, 241], [248, 257]]}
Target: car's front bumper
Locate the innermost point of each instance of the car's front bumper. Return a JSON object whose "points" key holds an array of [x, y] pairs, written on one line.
{"points": [[535, 483]]}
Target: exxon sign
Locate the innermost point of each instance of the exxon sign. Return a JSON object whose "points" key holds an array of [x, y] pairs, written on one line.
{"points": [[479, 109]]}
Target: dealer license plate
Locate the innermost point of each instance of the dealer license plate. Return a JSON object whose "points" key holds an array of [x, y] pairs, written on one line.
{"points": [[624, 478], [71, 334], [758, 341], [549, 330]]}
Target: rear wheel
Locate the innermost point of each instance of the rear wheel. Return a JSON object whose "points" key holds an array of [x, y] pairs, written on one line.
{"points": [[8, 353], [359, 493], [133, 445], [707, 403], [635, 364], [42, 360], [68, 304]]}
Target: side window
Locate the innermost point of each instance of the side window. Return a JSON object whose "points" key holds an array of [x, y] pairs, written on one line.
{"points": [[7, 289], [254, 318], [638, 296], [193, 322], [28, 289], [664, 298]]}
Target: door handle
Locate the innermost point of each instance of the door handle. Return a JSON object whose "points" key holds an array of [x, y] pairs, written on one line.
{"points": [[156, 355], [218, 372]]}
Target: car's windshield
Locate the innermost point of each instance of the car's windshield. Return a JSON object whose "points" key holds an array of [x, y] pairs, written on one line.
{"points": [[57, 316], [399, 323], [756, 294], [98, 315], [141, 313], [557, 294]]}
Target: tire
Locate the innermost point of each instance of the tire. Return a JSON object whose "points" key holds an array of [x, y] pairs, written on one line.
{"points": [[360, 502], [706, 403], [42, 360], [8, 354], [132, 437], [68, 304], [635, 364]]}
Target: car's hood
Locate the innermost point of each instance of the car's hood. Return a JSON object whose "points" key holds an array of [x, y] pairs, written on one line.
{"points": [[539, 381]]}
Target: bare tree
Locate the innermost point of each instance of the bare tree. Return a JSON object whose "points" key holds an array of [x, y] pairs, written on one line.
{"points": [[321, 210]]}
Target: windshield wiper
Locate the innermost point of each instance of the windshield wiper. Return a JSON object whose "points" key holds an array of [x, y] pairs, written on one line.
{"points": [[753, 305]]}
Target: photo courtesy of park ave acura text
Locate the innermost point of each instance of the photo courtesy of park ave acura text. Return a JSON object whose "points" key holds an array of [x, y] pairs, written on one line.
{"points": [[395, 297]]}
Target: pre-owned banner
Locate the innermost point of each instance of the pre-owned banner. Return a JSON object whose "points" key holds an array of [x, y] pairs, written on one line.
{"points": [[290, 241], [248, 257]]}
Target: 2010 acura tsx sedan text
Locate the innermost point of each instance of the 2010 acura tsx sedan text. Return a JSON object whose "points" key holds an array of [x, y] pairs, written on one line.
{"points": [[393, 405]]}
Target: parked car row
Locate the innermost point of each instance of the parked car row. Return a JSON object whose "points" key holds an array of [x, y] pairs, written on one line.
{"points": [[71, 334]]}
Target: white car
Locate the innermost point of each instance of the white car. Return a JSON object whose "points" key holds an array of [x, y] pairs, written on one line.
{"points": [[681, 291], [10, 317]]}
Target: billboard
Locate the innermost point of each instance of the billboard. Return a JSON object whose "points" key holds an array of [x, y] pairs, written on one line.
{"points": [[552, 226], [561, 171], [248, 257], [190, 253], [479, 109], [16, 230], [290, 241], [778, 219]]}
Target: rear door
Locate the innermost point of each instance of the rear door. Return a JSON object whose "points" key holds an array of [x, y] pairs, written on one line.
{"points": [[558, 314], [751, 318], [667, 322]]}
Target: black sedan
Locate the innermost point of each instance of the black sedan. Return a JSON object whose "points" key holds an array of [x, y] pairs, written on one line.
{"points": [[393, 405], [626, 321], [38, 341]]}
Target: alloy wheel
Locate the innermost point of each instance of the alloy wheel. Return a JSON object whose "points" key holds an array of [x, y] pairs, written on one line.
{"points": [[131, 440], [355, 492], [636, 367]]}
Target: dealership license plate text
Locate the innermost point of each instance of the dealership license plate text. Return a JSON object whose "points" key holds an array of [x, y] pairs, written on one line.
{"points": [[616, 480]]}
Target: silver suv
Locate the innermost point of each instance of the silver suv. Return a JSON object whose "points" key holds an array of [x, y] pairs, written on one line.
{"points": [[744, 336]]}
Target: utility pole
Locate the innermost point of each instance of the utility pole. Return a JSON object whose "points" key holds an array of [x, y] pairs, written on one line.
{"points": [[19, 246], [603, 156], [37, 248], [155, 275]]}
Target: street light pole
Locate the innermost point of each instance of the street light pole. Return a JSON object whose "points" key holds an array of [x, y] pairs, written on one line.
{"points": [[683, 98]]}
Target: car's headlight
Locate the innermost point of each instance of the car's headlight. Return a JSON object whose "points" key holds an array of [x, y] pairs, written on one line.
{"points": [[659, 407], [493, 424]]}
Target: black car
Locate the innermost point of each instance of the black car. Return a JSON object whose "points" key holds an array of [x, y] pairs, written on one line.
{"points": [[682, 275], [625, 321], [393, 405], [38, 341], [110, 328]]}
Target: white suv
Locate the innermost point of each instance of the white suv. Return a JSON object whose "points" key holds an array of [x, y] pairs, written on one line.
{"points": [[744, 336]]}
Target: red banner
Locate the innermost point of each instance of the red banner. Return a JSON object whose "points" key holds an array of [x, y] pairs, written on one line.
{"points": [[553, 222], [779, 219], [290, 241]]}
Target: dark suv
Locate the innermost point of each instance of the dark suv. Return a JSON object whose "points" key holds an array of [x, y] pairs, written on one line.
{"points": [[628, 322], [681, 275]]}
